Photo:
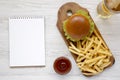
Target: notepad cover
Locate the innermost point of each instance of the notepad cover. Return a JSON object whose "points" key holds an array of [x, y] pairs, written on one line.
{"points": [[26, 41]]}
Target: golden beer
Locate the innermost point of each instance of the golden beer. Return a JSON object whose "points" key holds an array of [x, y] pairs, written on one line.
{"points": [[108, 7]]}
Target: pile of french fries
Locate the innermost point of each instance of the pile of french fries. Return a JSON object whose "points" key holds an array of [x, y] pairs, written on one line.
{"points": [[92, 54]]}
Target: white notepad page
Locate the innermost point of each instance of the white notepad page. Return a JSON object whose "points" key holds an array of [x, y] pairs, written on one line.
{"points": [[26, 36]]}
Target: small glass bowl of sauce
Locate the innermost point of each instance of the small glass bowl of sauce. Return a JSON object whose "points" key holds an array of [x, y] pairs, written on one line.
{"points": [[62, 65]]}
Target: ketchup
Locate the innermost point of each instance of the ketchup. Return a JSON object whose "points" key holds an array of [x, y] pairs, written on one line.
{"points": [[62, 65]]}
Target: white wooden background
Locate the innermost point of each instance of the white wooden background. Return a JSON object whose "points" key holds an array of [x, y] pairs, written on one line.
{"points": [[55, 46]]}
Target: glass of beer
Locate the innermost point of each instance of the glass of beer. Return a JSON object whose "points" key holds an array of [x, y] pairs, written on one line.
{"points": [[107, 8]]}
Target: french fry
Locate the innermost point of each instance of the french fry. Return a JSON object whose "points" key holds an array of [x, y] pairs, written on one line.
{"points": [[105, 65], [93, 63], [105, 52], [74, 47], [89, 45], [100, 62], [97, 68], [99, 38], [77, 53], [95, 59], [89, 74], [85, 68]]}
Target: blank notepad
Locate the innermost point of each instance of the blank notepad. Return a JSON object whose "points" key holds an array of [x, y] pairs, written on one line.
{"points": [[26, 36]]}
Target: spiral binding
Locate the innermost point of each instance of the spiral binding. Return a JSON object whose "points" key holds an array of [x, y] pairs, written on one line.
{"points": [[26, 17]]}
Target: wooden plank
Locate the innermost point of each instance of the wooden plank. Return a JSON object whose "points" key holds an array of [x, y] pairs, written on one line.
{"points": [[62, 16]]}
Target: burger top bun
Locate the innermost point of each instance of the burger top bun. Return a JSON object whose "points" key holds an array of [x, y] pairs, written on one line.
{"points": [[77, 26]]}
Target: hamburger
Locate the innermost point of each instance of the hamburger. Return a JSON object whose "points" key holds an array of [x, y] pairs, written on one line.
{"points": [[78, 26]]}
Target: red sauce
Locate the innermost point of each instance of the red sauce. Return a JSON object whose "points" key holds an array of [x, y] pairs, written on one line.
{"points": [[62, 65]]}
